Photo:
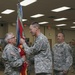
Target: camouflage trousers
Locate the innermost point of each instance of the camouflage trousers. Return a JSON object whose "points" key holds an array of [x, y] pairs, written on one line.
{"points": [[58, 73]]}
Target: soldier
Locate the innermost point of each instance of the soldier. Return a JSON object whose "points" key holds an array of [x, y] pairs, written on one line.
{"points": [[41, 51], [11, 56], [62, 56]]}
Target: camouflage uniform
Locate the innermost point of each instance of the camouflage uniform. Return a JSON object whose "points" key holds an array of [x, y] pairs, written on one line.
{"points": [[12, 60], [42, 54], [62, 58], [73, 55]]}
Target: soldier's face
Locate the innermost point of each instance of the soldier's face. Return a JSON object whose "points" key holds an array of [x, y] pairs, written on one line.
{"points": [[60, 37], [33, 30], [12, 39]]}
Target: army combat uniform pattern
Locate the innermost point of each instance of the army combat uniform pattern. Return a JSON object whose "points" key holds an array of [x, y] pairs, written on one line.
{"points": [[62, 57], [12, 60], [42, 54]]}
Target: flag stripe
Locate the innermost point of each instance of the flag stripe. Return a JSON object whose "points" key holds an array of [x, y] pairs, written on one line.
{"points": [[20, 34]]}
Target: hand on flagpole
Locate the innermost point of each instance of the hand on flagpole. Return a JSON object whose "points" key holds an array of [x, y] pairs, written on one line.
{"points": [[22, 41], [24, 57]]}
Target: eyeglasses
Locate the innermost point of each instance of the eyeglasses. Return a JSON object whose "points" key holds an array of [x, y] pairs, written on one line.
{"points": [[12, 37]]}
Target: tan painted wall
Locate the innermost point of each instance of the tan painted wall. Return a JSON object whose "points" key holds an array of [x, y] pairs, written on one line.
{"points": [[50, 33], [3, 30], [12, 28], [69, 35]]}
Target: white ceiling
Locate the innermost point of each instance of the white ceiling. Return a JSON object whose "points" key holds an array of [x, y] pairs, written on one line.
{"points": [[42, 7]]}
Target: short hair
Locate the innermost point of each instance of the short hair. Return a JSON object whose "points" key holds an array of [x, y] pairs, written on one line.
{"points": [[62, 34], [8, 36], [35, 24]]}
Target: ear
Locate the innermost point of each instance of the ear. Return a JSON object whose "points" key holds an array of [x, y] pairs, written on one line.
{"points": [[9, 40]]}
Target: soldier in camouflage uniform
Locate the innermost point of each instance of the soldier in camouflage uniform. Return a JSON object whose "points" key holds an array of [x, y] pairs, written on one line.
{"points": [[62, 56], [11, 56], [41, 51]]}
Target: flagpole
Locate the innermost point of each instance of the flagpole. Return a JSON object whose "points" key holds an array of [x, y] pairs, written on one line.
{"points": [[18, 5], [20, 34]]}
